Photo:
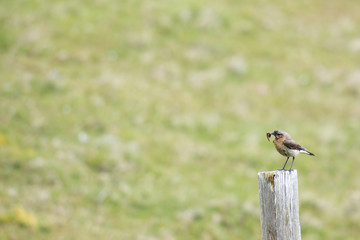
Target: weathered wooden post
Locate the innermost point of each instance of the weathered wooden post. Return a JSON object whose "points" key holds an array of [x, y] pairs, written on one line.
{"points": [[279, 205]]}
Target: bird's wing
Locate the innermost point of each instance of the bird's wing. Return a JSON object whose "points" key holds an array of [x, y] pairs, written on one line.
{"points": [[293, 145]]}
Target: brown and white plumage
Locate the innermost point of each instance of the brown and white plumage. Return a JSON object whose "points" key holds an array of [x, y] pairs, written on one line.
{"points": [[286, 146]]}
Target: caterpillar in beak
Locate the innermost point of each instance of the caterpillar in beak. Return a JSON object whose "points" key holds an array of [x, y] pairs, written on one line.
{"points": [[268, 136]]}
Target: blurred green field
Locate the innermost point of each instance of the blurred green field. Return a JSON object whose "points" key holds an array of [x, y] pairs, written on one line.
{"points": [[146, 120]]}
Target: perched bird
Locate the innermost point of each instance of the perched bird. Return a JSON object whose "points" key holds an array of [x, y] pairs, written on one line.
{"points": [[286, 146]]}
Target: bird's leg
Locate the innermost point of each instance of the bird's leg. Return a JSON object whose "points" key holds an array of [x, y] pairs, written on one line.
{"points": [[292, 164], [285, 164]]}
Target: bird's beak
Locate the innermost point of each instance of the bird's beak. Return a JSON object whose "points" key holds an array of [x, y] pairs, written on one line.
{"points": [[268, 135]]}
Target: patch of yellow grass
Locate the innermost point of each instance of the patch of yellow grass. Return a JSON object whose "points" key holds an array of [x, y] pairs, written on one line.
{"points": [[19, 215]]}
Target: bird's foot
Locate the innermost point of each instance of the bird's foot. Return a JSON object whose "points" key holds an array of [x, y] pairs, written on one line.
{"points": [[283, 169]]}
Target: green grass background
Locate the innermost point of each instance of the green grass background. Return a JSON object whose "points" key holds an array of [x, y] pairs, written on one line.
{"points": [[146, 120]]}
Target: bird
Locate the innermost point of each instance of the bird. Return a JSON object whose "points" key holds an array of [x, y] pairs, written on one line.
{"points": [[286, 146]]}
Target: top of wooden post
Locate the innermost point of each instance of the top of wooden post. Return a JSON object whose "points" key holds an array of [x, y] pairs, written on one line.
{"points": [[279, 205]]}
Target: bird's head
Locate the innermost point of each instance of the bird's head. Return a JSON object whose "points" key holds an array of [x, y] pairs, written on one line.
{"points": [[278, 134]]}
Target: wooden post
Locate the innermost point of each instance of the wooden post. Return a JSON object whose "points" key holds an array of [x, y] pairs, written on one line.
{"points": [[279, 205]]}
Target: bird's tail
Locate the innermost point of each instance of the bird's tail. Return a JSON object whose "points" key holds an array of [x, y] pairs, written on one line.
{"points": [[307, 152]]}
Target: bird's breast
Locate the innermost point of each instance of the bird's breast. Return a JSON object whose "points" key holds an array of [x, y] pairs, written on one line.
{"points": [[283, 150]]}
